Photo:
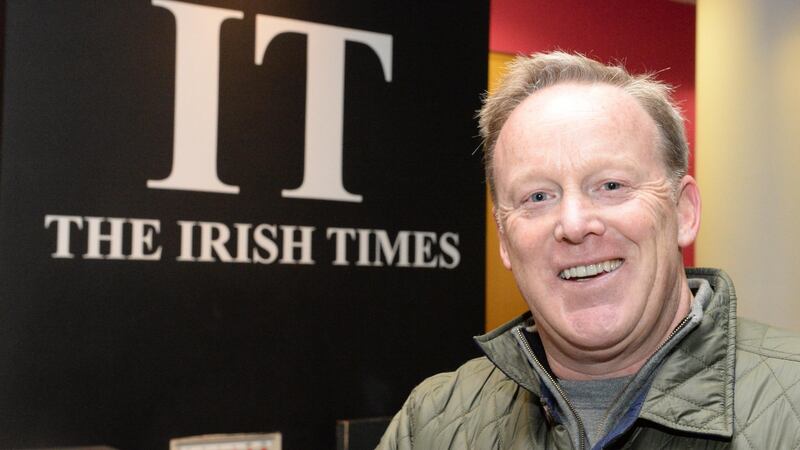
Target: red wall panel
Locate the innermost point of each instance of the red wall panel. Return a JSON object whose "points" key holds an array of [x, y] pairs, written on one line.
{"points": [[647, 35]]}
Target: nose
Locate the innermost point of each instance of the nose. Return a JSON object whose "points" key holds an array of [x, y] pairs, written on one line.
{"points": [[578, 218]]}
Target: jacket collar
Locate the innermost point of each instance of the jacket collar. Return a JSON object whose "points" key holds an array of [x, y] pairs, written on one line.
{"points": [[502, 348], [693, 388]]}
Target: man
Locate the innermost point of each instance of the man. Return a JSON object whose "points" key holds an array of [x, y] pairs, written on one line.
{"points": [[622, 348]]}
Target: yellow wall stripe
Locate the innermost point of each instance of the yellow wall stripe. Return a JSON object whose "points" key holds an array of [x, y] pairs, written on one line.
{"points": [[503, 300]]}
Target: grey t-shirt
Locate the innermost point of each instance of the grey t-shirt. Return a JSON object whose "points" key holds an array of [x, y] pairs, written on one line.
{"points": [[592, 401]]}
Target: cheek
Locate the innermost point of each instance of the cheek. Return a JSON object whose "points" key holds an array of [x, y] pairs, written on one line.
{"points": [[525, 232], [526, 237], [643, 219]]}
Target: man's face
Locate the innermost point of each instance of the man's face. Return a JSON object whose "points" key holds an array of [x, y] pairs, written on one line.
{"points": [[590, 223]]}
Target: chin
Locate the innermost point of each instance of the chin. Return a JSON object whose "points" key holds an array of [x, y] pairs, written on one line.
{"points": [[598, 331], [588, 340]]}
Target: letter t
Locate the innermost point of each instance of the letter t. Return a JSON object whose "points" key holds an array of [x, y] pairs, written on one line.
{"points": [[322, 173]]}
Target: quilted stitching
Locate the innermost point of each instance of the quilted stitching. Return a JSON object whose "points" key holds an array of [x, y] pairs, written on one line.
{"points": [[747, 439], [462, 378], [779, 390], [698, 424], [742, 374], [785, 395]]}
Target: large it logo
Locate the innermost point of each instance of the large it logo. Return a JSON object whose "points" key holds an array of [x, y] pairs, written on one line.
{"points": [[194, 152]]}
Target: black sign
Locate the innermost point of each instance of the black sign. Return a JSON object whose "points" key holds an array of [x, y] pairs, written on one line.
{"points": [[234, 216]]}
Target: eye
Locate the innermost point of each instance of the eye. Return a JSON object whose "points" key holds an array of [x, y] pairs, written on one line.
{"points": [[611, 185], [537, 197]]}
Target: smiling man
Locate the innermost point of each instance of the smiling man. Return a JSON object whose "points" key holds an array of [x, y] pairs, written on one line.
{"points": [[623, 347]]}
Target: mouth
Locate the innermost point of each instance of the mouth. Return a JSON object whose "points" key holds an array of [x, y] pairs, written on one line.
{"points": [[578, 273]]}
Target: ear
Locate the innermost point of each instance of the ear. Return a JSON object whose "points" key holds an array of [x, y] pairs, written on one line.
{"points": [[688, 211], [501, 235]]}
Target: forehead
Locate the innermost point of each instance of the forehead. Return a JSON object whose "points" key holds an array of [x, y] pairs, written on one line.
{"points": [[577, 122]]}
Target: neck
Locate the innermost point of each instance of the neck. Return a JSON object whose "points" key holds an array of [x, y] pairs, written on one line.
{"points": [[621, 360]]}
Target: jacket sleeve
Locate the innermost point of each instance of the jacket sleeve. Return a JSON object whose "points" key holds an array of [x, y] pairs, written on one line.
{"points": [[441, 395], [398, 435]]}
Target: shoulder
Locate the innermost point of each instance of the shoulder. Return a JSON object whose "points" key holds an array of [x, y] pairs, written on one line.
{"points": [[764, 341], [767, 358], [767, 389], [460, 391], [466, 408]]}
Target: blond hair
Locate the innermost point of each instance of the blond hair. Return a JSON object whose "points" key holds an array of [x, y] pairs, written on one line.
{"points": [[528, 74]]}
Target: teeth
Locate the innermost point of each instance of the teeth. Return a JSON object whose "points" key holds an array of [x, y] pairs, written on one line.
{"points": [[591, 269]]}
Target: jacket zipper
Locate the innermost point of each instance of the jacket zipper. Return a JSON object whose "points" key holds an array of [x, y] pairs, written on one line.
{"points": [[581, 431], [674, 332], [677, 329]]}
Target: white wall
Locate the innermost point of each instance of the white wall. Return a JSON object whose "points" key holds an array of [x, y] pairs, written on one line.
{"points": [[748, 151]]}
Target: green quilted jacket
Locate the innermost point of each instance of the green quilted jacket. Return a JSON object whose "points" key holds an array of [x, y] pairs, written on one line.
{"points": [[730, 383]]}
